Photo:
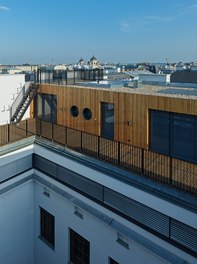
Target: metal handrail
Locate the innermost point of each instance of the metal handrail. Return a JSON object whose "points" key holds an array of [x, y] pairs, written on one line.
{"points": [[150, 164]]}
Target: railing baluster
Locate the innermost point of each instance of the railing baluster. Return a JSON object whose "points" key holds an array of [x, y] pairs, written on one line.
{"points": [[142, 161]]}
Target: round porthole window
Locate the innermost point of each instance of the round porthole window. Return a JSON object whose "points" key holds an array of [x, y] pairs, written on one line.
{"points": [[87, 113], [74, 110]]}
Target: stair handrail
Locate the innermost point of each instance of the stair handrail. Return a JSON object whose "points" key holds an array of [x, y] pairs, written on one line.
{"points": [[18, 99]]}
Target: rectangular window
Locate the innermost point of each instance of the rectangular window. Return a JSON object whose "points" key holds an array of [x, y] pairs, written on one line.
{"points": [[107, 118], [174, 134], [46, 107], [183, 142], [159, 131], [47, 227], [79, 249]]}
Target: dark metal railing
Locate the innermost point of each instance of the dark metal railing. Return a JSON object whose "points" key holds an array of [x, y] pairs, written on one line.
{"points": [[174, 172], [64, 77]]}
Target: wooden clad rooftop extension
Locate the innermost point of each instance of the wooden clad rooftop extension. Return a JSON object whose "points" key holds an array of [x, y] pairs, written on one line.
{"points": [[131, 108], [150, 130]]}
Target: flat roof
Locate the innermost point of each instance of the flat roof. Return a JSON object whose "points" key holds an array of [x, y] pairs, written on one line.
{"points": [[164, 91]]}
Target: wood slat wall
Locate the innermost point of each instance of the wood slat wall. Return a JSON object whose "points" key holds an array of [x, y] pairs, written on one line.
{"points": [[131, 110]]}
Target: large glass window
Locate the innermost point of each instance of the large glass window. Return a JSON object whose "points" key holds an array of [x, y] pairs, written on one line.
{"points": [[159, 131], [47, 227], [46, 107], [79, 249], [174, 134], [183, 136], [107, 117]]}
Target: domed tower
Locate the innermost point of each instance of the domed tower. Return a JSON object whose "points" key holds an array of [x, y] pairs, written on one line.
{"points": [[81, 62], [93, 62]]}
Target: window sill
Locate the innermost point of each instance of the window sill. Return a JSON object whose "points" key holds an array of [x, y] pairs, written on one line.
{"points": [[47, 243]]}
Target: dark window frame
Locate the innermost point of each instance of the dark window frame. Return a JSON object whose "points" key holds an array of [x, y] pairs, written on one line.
{"points": [[47, 100], [79, 248], [87, 113], [47, 228], [181, 135], [107, 128], [74, 111]]}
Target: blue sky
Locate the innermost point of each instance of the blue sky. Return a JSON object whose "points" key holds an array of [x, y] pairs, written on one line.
{"points": [[63, 31]]}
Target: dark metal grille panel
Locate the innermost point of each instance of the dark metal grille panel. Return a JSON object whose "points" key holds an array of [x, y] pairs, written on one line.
{"points": [[184, 234], [137, 211], [81, 183], [13, 168], [8, 170], [24, 163], [45, 165]]}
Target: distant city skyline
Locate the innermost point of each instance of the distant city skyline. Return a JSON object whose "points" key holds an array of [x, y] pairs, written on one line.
{"points": [[126, 31]]}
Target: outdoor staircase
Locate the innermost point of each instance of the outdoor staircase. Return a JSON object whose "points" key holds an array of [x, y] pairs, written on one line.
{"points": [[22, 102]]}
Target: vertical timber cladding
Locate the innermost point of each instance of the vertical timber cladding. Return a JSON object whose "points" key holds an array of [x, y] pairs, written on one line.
{"points": [[134, 114], [133, 119], [130, 110], [81, 98]]}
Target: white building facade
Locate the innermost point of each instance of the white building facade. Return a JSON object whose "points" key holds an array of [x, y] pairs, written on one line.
{"points": [[10, 86], [81, 200], [158, 79]]}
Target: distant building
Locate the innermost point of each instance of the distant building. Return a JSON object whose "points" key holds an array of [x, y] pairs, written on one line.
{"points": [[93, 63], [181, 67], [10, 86], [11, 70], [184, 76], [60, 67], [81, 62], [194, 67], [27, 68], [154, 79]]}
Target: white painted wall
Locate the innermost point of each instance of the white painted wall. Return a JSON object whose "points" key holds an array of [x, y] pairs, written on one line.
{"points": [[20, 219], [9, 86], [102, 238], [17, 225]]}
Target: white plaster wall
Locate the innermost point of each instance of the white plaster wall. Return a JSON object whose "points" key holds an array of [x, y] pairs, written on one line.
{"points": [[17, 225], [9, 85], [102, 238], [20, 220]]}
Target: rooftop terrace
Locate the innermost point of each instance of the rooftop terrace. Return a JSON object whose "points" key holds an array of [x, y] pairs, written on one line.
{"points": [[177, 174], [168, 91]]}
